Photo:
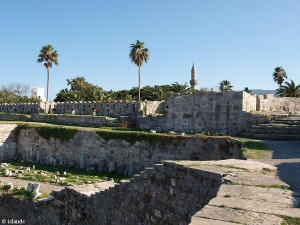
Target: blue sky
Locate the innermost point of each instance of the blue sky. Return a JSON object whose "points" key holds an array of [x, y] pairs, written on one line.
{"points": [[239, 40]]}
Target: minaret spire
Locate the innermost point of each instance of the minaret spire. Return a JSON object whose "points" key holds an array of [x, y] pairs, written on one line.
{"points": [[194, 81]]}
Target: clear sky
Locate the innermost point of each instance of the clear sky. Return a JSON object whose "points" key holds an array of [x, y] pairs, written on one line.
{"points": [[239, 40]]}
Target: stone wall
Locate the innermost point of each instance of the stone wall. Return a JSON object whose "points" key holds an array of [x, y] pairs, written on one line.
{"points": [[269, 103], [166, 194], [89, 150], [113, 109], [219, 112], [249, 102], [27, 212], [8, 141]]}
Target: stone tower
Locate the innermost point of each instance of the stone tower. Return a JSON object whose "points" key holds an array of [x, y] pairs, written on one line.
{"points": [[194, 81]]}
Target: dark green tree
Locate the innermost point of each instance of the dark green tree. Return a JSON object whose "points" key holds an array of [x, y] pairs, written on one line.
{"points": [[279, 75], [180, 88], [225, 85], [289, 89], [80, 90]]}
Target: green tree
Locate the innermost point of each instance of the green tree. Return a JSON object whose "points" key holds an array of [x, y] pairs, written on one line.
{"points": [[49, 56], [180, 88], [80, 90], [16, 93], [279, 75], [139, 54], [289, 89], [247, 90], [225, 85]]}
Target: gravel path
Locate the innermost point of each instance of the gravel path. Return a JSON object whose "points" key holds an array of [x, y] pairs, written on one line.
{"points": [[286, 157]]}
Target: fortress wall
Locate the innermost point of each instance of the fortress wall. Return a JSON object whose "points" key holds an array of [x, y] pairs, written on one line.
{"points": [[166, 194], [270, 103], [169, 193], [28, 108], [219, 112], [89, 150]]}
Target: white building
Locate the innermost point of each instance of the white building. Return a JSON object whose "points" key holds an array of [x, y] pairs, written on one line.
{"points": [[38, 92]]}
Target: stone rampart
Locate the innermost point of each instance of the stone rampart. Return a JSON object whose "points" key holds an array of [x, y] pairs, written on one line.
{"points": [[269, 103], [87, 149], [166, 194], [219, 112]]}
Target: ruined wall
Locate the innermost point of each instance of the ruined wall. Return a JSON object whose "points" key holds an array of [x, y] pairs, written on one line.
{"points": [[249, 102], [8, 141], [275, 104], [27, 212], [166, 194], [89, 150], [219, 112]]}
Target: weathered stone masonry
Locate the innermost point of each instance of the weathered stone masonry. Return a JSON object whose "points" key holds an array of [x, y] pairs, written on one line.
{"points": [[88, 150], [166, 194]]}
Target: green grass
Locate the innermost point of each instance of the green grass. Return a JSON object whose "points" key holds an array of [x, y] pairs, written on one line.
{"points": [[290, 220], [254, 149], [54, 174], [21, 193]]}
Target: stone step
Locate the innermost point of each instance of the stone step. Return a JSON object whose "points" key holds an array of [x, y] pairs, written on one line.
{"points": [[237, 216], [256, 199], [294, 122], [272, 136], [276, 126], [205, 221], [273, 131]]}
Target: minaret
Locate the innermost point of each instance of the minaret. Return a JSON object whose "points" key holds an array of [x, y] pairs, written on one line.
{"points": [[194, 81]]}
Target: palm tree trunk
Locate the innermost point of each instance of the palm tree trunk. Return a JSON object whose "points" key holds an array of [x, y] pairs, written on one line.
{"points": [[48, 75], [139, 83]]}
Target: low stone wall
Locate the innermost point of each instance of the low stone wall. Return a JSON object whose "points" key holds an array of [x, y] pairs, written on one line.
{"points": [[8, 141], [166, 194], [270, 103], [89, 150], [27, 212]]}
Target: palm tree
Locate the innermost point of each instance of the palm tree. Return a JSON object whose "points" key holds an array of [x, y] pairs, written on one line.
{"points": [[279, 75], [138, 54], [289, 90], [49, 56], [180, 88], [225, 85]]}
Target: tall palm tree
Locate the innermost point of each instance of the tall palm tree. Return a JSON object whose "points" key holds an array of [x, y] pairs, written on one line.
{"points": [[290, 89], [139, 54], [279, 75], [49, 56], [225, 85]]}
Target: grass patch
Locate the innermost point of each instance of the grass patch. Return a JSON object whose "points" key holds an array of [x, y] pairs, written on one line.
{"points": [[254, 149], [290, 220], [58, 132], [59, 175]]}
